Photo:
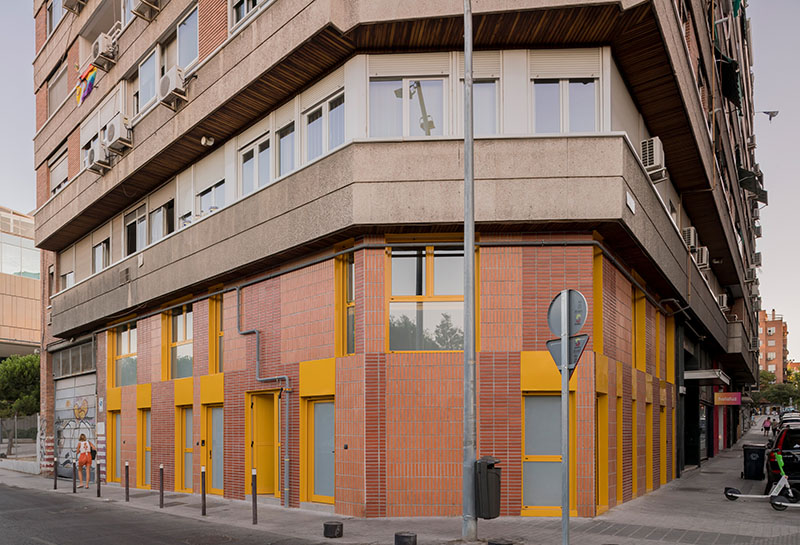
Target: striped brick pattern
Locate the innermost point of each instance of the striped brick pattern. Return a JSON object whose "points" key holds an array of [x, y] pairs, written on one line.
{"points": [[500, 304], [375, 433], [350, 430], [584, 434], [212, 25]]}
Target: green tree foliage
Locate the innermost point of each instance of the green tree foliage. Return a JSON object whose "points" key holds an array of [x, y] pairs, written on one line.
{"points": [[780, 394], [765, 378], [404, 335], [19, 385]]}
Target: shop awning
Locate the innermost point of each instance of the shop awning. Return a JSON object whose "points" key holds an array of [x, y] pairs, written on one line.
{"points": [[729, 77], [707, 377]]}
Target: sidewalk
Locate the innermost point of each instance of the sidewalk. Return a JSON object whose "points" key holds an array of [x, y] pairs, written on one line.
{"points": [[687, 510]]}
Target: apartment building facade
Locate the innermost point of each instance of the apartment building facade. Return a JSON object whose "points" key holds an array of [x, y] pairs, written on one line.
{"points": [[773, 335], [255, 250], [20, 302]]}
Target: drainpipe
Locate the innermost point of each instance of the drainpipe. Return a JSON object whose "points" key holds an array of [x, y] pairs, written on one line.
{"points": [[283, 394]]}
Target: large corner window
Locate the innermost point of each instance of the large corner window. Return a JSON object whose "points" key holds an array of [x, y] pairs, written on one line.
{"points": [[181, 355], [213, 198], [346, 304], [565, 105], [125, 355], [147, 82], [255, 165], [162, 221], [187, 40], [426, 305], [324, 127], [421, 99], [101, 254], [135, 230], [286, 150]]}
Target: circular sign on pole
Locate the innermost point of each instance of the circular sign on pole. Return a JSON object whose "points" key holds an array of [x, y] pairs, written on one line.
{"points": [[578, 309]]}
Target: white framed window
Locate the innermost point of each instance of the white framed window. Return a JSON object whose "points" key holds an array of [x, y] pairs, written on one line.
{"points": [[212, 199], [485, 107], [407, 107], [146, 93], [57, 89], [162, 221], [760, 330], [59, 170], [100, 256], [135, 230], [286, 150], [188, 44], [770, 331], [240, 9], [255, 165], [127, 12], [770, 356], [324, 127], [67, 280], [771, 368], [565, 105], [55, 12], [770, 343]]}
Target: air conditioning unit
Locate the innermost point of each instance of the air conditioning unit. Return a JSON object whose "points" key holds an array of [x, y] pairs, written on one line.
{"points": [[757, 259], [652, 153], [170, 87], [75, 6], [702, 258], [757, 230], [751, 142], [756, 301], [755, 212], [118, 134], [749, 274], [99, 159], [103, 52], [145, 9], [722, 301], [754, 344], [689, 237]]}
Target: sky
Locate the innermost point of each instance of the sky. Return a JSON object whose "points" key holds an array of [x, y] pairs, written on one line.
{"points": [[777, 82]]}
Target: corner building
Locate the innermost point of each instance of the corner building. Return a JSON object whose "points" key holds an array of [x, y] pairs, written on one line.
{"points": [[254, 246]]}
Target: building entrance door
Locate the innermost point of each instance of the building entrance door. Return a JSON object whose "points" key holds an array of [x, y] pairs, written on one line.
{"points": [[215, 421], [321, 466], [264, 447], [541, 459]]}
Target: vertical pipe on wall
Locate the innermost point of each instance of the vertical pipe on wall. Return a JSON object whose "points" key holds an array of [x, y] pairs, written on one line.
{"points": [[469, 527]]}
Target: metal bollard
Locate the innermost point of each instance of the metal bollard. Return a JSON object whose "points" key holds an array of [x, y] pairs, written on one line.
{"points": [[55, 472], [74, 477], [161, 486], [203, 490], [405, 538], [127, 483], [254, 493], [97, 476]]}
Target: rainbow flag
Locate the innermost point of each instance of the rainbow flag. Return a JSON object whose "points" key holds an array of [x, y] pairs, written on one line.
{"points": [[85, 84]]}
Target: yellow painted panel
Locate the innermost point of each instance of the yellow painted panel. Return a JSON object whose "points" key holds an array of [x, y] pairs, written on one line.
{"points": [[318, 377], [648, 446], [183, 391], [539, 373], [114, 399], [143, 396], [212, 388], [663, 444], [601, 373], [601, 436], [634, 384], [546, 512], [663, 395]]}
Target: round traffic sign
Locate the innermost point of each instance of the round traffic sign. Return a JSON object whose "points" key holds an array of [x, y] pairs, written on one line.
{"points": [[578, 309]]}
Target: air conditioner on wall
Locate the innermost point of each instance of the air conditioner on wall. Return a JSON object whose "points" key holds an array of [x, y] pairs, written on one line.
{"points": [[689, 237], [118, 135], [751, 141], [754, 344], [103, 52], [702, 257], [652, 153], [756, 301], [757, 259], [722, 301], [99, 159], [749, 274], [145, 9], [755, 211], [757, 230], [170, 88], [74, 6]]}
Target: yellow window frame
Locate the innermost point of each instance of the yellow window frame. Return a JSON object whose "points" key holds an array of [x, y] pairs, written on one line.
{"points": [[429, 289], [168, 344], [143, 448], [115, 346], [344, 271], [216, 335], [111, 459]]}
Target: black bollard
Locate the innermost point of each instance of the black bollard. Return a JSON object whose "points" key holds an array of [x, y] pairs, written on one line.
{"points": [[55, 472], [332, 528], [203, 490], [405, 538], [97, 476], [74, 477], [254, 493], [127, 484], [161, 486]]}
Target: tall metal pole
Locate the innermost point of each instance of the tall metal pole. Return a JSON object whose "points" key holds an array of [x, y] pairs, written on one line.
{"points": [[565, 417], [469, 527]]}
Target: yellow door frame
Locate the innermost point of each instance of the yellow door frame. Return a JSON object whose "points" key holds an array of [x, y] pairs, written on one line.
{"points": [[307, 448], [249, 436], [206, 440], [111, 461], [180, 448], [142, 448]]}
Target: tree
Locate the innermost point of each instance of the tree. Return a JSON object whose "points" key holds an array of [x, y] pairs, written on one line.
{"points": [[448, 336], [765, 378], [19, 387], [780, 394]]}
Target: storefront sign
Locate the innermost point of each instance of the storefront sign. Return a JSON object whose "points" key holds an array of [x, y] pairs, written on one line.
{"points": [[728, 398]]}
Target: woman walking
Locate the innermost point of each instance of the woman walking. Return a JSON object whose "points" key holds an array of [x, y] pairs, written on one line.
{"points": [[766, 425], [84, 452]]}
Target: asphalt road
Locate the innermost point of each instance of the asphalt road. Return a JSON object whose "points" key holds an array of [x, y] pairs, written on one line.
{"points": [[34, 517]]}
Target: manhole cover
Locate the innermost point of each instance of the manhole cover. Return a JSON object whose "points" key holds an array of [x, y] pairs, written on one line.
{"points": [[208, 540]]}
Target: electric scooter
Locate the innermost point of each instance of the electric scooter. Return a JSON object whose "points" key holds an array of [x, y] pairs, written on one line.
{"points": [[780, 493]]}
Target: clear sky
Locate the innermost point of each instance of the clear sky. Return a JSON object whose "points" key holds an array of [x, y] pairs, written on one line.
{"points": [[777, 83], [17, 106]]}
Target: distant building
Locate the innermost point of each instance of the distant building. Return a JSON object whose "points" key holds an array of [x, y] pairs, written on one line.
{"points": [[20, 295], [793, 366], [772, 336]]}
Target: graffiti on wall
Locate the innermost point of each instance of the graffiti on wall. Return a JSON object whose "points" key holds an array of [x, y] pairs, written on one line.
{"points": [[77, 417]]}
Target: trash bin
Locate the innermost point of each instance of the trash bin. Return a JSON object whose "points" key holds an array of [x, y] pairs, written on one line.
{"points": [[754, 455], [487, 487]]}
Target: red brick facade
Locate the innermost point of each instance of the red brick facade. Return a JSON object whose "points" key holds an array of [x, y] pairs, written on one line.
{"points": [[213, 25]]}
